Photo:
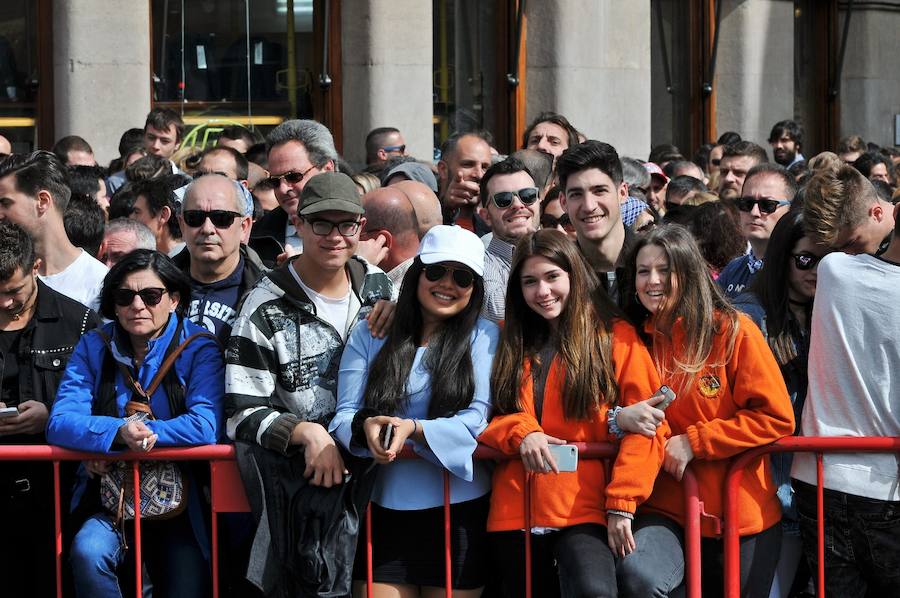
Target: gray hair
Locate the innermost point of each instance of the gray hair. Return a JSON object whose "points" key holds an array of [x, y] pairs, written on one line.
{"points": [[143, 235], [635, 176], [243, 201], [314, 136]]}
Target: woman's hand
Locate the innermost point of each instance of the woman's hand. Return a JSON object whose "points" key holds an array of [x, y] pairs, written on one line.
{"points": [[619, 536], [137, 436], [678, 455], [642, 418], [536, 455], [324, 464], [373, 428]]}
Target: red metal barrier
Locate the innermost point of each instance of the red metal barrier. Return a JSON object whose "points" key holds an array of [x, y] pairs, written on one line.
{"points": [[798, 444]]}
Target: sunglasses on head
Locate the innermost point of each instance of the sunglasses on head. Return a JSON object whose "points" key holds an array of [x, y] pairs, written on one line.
{"points": [[766, 205], [548, 221], [219, 218], [504, 199], [150, 296], [463, 277], [805, 261], [292, 177]]}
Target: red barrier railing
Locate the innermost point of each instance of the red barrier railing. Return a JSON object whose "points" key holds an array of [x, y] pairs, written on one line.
{"points": [[798, 444], [227, 496]]}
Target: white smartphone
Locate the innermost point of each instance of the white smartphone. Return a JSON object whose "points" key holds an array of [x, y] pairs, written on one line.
{"points": [[9, 412], [667, 393], [566, 457]]}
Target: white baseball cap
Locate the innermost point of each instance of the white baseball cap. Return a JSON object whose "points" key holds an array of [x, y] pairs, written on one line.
{"points": [[444, 243]]}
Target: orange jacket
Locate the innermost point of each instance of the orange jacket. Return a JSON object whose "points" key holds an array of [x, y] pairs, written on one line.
{"points": [[566, 499], [749, 408]]}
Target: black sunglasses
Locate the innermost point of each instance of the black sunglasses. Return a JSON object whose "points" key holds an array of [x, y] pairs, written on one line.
{"points": [[805, 261], [292, 177], [504, 199], [150, 296], [463, 277], [548, 221], [766, 205], [395, 148], [219, 218]]}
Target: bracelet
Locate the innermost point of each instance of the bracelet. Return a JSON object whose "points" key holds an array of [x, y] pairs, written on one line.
{"points": [[613, 425], [624, 514], [415, 426]]}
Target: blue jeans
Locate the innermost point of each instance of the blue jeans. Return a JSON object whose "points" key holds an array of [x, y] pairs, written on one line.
{"points": [[862, 542], [171, 554]]}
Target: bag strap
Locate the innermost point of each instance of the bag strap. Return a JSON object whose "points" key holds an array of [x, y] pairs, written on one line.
{"points": [[169, 361], [126, 373]]}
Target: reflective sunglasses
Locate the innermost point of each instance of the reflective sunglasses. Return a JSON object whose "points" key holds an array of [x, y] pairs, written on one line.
{"points": [[462, 277], [548, 221], [291, 177], [395, 148], [150, 296], [504, 199], [805, 261], [219, 218], [323, 228], [766, 205]]}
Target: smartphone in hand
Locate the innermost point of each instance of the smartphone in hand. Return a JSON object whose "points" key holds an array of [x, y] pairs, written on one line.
{"points": [[668, 396], [566, 457], [9, 412], [387, 434]]}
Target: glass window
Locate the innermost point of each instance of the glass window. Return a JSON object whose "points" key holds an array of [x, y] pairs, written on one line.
{"points": [[18, 73]]}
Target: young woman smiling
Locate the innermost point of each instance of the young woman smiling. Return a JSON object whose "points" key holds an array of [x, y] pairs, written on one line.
{"points": [[564, 360], [426, 384], [731, 397]]}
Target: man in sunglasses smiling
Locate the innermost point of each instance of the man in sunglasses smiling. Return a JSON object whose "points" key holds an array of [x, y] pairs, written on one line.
{"points": [[214, 218], [765, 197], [510, 204]]}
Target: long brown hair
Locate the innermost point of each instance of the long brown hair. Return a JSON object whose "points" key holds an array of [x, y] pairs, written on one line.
{"points": [[583, 339], [700, 308]]}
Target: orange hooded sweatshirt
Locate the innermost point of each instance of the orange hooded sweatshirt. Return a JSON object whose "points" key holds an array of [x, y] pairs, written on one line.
{"points": [[583, 496], [727, 410]]}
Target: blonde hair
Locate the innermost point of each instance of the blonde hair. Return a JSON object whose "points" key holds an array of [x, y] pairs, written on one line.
{"points": [[837, 197], [699, 198], [366, 182]]}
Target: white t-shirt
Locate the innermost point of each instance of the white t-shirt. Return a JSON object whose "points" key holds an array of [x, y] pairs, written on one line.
{"points": [[334, 311], [82, 280]]}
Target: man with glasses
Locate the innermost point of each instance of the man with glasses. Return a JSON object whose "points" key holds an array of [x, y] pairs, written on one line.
{"points": [[297, 151], [382, 144], [510, 204], [285, 347], [214, 217], [766, 196]]}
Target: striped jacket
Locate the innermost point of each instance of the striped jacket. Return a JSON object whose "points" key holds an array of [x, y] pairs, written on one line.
{"points": [[281, 365]]}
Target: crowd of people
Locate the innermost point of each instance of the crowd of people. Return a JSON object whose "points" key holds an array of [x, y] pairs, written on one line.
{"points": [[324, 318]]}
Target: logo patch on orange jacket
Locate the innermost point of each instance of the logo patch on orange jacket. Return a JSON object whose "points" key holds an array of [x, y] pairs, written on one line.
{"points": [[709, 386]]}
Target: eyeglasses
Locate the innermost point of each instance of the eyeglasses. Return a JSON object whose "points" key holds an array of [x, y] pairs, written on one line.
{"points": [[219, 218], [292, 178], [395, 148], [548, 221], [463, 278], [150, 296], [323, 228], [767, 205], [805, 261], [504, 199]]}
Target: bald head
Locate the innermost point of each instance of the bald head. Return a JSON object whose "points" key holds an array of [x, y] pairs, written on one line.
{"points": [[5, 145], [390, 213], [214, 185], [424, 202]]}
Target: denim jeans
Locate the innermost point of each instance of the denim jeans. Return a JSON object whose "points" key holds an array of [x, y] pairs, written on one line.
{"points": [[862, 542], [656, 567], [585, 564], [173, 559]]}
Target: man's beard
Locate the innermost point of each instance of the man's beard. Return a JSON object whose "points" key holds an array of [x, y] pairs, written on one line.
{"points": [[786, 157]]}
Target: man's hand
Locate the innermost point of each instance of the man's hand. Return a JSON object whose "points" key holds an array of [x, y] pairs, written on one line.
{"points": [[381, 317], [289, 252], [536, 455], [678, 455], [32, 419], [642, 418], [619, 536], [137, 436], [461, 192], [373, 250], [324, 464]]}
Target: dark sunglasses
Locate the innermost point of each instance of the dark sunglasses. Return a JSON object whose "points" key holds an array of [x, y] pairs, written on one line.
{"points": [[548, 221], [323, 228], [805, 261], [395, 148], [150, 296], [219, 218], [504, 199], [292, 177], [766, 205], [463, 277]]}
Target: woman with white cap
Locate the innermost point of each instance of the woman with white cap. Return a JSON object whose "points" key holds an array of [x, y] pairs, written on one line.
{"points": [[426, 386]]}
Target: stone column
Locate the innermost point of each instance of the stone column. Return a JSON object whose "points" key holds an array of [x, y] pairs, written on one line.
{"points": [[590, 61], [755, 67], [101, 70], [386, 57]]}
